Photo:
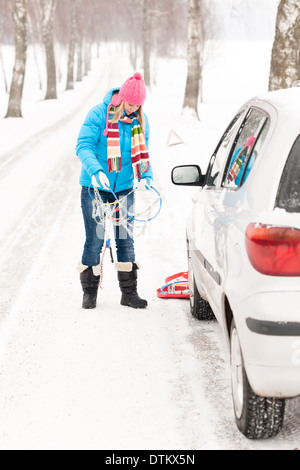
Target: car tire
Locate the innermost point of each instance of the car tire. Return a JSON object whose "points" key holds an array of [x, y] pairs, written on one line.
{"points": [[199, 307], [256, 417]]}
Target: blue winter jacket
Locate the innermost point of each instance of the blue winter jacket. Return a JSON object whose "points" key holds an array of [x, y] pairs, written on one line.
{"points": [[91, 148]]}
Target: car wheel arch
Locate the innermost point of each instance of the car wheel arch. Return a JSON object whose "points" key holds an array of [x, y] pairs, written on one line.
{"points": [[228, 317]]}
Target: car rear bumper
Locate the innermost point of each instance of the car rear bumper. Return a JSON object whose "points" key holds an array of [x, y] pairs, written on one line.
{"points": [[268, 326], [275, 382]]}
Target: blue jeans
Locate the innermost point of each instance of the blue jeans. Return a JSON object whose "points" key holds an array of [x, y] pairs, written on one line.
{"points": [[95, 233]]}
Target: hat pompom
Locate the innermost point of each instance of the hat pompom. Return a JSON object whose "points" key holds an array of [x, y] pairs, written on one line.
{"points": [[137, 76]]}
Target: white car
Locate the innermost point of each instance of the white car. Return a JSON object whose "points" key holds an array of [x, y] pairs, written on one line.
{"points": [[243, 244]]}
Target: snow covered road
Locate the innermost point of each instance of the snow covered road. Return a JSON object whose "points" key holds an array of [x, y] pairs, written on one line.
{"points": [[113, 377]]}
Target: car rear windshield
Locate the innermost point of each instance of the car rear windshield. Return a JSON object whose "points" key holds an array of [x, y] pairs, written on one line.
{"points": [[288, 196]]}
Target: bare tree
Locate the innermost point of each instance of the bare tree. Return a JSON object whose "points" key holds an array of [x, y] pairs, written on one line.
{"points": [[134, 12], [72, 46], [6, 20], [146, 29], [7, 26], [17, 84], [285, 59], [94, 14], [146, 41], [80, 38], [169, 23], [48, 9], [35, 34], [193, 56], [87, 65], [3, 70]]}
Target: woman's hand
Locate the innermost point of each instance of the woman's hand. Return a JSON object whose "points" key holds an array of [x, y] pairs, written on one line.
{"points": [[104, 181], [145, 183]]}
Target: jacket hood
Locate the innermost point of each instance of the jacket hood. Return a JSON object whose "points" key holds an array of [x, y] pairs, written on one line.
{"points": [[107, 98]]}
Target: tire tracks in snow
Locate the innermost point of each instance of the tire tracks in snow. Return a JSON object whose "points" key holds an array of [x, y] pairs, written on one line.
{"points": [[106, 77], [11, 157], [37, 212], [31, 265], [35, 208], [20, 251]]}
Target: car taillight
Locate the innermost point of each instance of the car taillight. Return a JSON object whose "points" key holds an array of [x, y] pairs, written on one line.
{"points": [[274, 251]]}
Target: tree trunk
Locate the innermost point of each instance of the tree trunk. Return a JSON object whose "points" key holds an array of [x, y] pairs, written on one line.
{"points": [[79, 63], [146, 42], [133, 52], [285, 58], [79, 21], [87, 57], [3, 70], [193, 56], [17, 84], [48, 7], [72, 46], [33, 27]]}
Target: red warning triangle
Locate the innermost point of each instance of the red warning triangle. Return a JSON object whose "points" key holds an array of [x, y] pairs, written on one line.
{"points": [[174, 139]]}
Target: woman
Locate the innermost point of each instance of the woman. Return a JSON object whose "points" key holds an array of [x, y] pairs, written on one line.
{"points": [[112, 146]]}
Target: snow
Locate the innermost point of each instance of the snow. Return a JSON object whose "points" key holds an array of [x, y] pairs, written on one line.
{"points": [[113, 378]]}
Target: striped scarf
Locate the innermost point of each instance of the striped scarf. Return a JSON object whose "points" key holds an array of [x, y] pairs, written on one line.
{"points": [[139, 153]]}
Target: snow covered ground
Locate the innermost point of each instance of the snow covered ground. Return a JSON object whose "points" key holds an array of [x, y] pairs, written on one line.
{"points": [[113, 377]]}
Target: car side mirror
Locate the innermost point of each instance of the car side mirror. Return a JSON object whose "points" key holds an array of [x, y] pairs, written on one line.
{"points": [[187, 175]]}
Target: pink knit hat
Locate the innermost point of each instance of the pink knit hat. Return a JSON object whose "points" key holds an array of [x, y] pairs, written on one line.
{"points": [[133, 91]]}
